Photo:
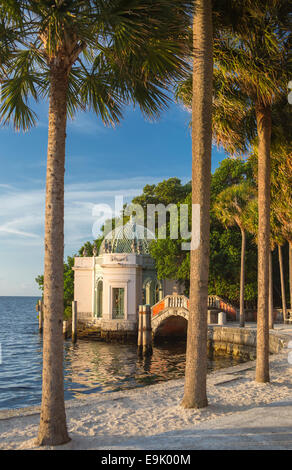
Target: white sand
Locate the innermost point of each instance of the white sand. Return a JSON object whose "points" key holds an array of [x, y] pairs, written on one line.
{"points": [[241, 414]]}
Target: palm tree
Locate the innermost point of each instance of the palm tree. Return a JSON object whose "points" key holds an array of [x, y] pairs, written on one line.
{"points": [[85, 55], [290, 273], [251, 220], [253, 65], [195, 395], [229, 208], [283, 294], [271, 296], [10, 21], [281, 185], [200, 91], [281, 188], [256, 63]]}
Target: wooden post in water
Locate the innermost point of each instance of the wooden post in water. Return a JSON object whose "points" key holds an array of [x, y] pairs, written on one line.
{"points": [[140, 330], [41, 315], [74, 321], [65, 328], [147, 331], [144, 330]]}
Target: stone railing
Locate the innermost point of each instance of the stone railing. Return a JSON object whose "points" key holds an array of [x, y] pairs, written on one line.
{"points": [[176, 301], [214, 301], [181, 301], [170, 301]]}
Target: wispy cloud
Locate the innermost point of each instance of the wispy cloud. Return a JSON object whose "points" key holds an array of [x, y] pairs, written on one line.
{"points": [[6, 186], [13, 231], [85, 123], [22, 211], [22, 225]]}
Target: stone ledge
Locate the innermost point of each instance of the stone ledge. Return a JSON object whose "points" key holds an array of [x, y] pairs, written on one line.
{"points": [[241, 341]]}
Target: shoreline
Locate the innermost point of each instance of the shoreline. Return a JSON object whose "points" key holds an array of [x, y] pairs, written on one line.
{"points": [[151, 417], [10, 413]]}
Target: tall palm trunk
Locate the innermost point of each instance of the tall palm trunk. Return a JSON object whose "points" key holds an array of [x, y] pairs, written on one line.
{"points": [[195, 395], [271, 298], [283, 294], [242, 279], [263, 115], [290, 272], [53, 430]]}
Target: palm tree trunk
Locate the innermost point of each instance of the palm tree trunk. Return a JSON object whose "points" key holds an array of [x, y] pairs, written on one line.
{"points": [[53, 430], [263, 115], [290, 272], [242, 279], [271, 299], [283, 294], [195, 395]]}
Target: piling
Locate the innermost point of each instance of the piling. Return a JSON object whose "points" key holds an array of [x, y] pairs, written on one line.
{"points": [[65, 329], [144, 331], [41, 315], [147, 331], [74, 321], [140, 330]]}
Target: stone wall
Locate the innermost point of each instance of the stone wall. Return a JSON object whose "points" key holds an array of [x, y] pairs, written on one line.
{"points": [[122, 331], [240, 342]]}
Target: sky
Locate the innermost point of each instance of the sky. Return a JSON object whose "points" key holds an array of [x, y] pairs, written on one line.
{"points": [[100, 164]]}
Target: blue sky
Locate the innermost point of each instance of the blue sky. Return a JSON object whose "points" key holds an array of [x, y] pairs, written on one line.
{"points": [[101, 163]]}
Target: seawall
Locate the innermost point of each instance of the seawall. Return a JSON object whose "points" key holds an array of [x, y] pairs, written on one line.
{"points": [[241, 342]]}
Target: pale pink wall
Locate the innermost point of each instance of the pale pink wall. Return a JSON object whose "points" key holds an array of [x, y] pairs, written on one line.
{"points": [[83, 284]]}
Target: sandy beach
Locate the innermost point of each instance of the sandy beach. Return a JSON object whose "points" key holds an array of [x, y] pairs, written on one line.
{"points": [[241, 414]]}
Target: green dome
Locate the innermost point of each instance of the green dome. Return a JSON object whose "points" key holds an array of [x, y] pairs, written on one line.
{"points": [[128, 238]]}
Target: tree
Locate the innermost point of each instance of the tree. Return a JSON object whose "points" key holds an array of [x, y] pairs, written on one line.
{"points": [[68, 286], [284, 305], [281, 184], [229, 208], [10, 21], [85, 54], [195, 395], [172, 262], [251, 74], [255, 62], [251, 219], [225, 246], [281, 188]]}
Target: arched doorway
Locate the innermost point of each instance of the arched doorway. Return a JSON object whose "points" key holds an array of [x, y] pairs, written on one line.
{"points": [[152, 291], [173, 327]]}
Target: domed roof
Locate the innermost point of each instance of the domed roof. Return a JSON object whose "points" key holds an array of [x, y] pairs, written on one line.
{"points": [[128, 238]]}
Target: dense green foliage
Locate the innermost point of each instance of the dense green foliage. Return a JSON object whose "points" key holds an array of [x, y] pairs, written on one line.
{"points": [[225, 243], [68, 286]]}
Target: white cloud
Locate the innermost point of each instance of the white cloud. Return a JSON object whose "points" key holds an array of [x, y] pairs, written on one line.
{"points": [[14, 231], [85, 123], [22, 226], [6, 186]]}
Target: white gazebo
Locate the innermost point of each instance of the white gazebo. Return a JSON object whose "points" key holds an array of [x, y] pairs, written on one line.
{"points": [[110, 287]]}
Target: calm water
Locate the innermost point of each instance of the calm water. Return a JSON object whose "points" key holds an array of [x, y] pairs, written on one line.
{"points": [[89, 367]]}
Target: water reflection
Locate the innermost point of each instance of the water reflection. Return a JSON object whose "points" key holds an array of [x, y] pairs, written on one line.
{"points": [[103, 367], [88, 366]]}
